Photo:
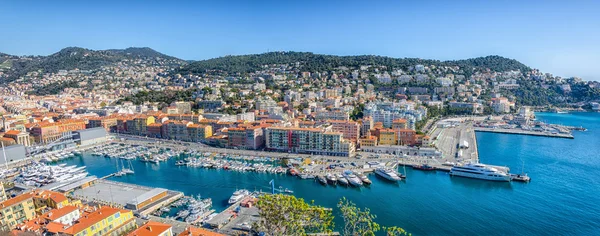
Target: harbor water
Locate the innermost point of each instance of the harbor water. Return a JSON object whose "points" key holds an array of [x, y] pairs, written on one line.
{"points": [[562, 198]]}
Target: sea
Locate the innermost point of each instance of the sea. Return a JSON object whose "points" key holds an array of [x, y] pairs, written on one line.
{"points": [[563, 197]]}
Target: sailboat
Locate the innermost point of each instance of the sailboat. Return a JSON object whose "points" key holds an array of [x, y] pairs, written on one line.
{"points": [[119, 171], [128, 170]]}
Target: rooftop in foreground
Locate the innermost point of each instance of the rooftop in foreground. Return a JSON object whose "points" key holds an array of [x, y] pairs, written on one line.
{"points": [[110, 191]]}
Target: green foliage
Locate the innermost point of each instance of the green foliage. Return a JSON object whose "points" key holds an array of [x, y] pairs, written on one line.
{"points": [[357, 113], [163, 97], [232, 65], [395, 231], [84, 59], [287, 215], [494, 63], [357, 222]]}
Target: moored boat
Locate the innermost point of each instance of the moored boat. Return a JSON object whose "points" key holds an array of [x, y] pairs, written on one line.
{"points": [[388, 174], [424, 167], [341, 179], [480, 171], [322, 179], [363, 178], [331, 179]]}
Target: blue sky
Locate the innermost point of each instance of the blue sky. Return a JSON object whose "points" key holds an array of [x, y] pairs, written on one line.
{"points": [[560, 37]]}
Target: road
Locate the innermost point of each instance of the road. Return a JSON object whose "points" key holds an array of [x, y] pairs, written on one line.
{"points": [[448, 139]]}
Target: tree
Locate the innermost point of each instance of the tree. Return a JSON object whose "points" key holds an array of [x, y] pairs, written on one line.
{"points": [[357, 222], [357, 113], [287, 215], [395, 231]]}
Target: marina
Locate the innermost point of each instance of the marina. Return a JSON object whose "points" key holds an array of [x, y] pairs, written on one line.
{"points": [[414, 195], [188, 171]]}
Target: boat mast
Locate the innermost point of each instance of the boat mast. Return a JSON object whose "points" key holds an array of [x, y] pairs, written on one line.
{"points": [[4, 154]]}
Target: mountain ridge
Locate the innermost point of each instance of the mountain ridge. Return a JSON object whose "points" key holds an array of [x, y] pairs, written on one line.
{"points": [[322, 62]]}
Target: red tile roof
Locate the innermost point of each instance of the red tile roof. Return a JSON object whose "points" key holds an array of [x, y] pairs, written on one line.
{"points": [[151, 228]]}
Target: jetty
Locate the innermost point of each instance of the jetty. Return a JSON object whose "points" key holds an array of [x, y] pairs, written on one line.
{"points": [[524, 132]]}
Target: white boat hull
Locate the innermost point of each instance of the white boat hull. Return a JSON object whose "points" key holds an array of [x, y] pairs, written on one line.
{"points": [[500, 178]]}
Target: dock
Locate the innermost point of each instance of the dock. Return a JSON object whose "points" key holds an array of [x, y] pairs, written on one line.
{"points": [[524, 132]]}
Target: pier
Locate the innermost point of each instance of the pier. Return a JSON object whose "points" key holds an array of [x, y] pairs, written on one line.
{"points": [[524, 132]]}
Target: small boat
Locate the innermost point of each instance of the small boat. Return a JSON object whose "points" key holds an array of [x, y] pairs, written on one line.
{"points": [[288, 191], [306, 176], [293, 171], [424, 167], [322, 179]]}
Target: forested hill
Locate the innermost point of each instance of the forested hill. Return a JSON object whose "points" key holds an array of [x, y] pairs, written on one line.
{"points": [[85, 59], [319, 62]]}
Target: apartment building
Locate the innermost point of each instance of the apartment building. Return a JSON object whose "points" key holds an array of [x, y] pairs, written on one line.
{"points": [[308, 140], [350, 129], [332, 115], [103, 221], [398, 124], [387, 137], [45, 132], [366, 125], [198, 133], [139, 124], [250, 137], [368, 141], [108, 123], [16, 210], [407, 137]]}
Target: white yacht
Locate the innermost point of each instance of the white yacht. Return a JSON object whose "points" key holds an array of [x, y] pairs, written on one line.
{"points": [[238, 196], [388, 174], [341, 179], [480, 171], [352, 178]]}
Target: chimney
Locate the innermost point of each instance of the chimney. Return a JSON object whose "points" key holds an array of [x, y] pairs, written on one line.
{"points": [[149, 228]]}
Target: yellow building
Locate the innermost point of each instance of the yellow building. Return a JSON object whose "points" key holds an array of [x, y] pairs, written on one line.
{"points": [[54, 200], [368, 141], [387, 137], [16, 210], [104, 221], [2, 192], [198, 133]]}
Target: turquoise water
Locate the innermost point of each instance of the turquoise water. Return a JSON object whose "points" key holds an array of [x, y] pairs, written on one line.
{"points": [[563, 197]]}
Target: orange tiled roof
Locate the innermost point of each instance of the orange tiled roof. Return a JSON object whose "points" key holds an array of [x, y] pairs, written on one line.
{"points": [[54, 196], [151, 228], [92, 218], [15, 200], [55, 227], [33, 225], [193, 231], [13, 132], [399, 121], [57, 213]]}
